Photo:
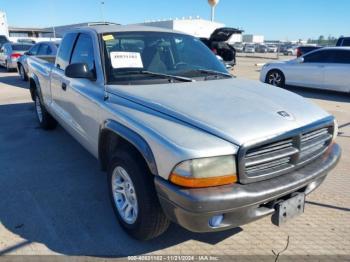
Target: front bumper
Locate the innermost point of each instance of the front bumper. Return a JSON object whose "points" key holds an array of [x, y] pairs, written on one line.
{"points": [[240, 204]]}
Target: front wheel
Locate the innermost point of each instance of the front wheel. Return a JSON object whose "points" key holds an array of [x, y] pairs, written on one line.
{"points": [[46, 121], [275, 78], [133, 196]]}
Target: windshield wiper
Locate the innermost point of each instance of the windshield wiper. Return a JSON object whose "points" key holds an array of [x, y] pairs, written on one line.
{"points": [[212, 72], [173, 77]]}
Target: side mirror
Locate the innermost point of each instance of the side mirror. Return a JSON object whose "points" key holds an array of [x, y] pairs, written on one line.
{"points": [[300, 60], [79, 70], [28, 53]]}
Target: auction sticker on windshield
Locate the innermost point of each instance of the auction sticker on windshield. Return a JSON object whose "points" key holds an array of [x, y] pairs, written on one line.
{"points": [[126, 60]]}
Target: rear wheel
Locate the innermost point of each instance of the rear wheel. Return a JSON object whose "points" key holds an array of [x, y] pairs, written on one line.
{"points": [[275, 78], [133, 196], [46, 121], [22, 73]]}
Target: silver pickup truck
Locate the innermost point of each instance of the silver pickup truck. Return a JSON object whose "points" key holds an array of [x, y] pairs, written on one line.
{"points": [[180, 138]]}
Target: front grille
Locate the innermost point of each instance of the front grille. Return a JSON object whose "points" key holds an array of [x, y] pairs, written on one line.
{"points": [[278, 157]]}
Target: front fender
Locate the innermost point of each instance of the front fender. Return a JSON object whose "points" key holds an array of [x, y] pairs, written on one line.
{"points": [[133, 138]]}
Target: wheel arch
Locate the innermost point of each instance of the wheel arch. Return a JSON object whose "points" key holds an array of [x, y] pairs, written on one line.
{"points": [[114, 135], [34, 86], [274, 69]]}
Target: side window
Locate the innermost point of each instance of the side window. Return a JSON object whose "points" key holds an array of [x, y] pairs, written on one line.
{"points": [[43, 49], [317, 57], [49, 50], [65, 51], [346, 41], [83, 51], [341, 56], [34, 50], [8, 49]]}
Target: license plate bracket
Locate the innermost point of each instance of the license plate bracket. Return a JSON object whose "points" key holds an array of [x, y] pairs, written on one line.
{"points": [[288, 209]]}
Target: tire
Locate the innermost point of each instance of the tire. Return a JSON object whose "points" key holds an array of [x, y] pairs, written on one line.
{"points": [[46, 121], [22, 73], [7, 66], [276, 78], [146, 220]]}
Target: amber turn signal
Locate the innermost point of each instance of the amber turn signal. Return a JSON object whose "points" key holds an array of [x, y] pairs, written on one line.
{"points": [[202, 182]]}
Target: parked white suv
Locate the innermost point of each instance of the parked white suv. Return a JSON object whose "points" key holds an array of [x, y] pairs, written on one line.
{"points": [[326, 68]]}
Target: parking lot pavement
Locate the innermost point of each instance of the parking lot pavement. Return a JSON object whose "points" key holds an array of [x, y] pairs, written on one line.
{"points": [[53, 197]]}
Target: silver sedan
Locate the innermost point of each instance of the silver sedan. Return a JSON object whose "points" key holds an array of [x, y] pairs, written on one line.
{"points": [[10, 53]]}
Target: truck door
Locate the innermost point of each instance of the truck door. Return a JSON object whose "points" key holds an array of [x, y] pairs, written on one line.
{"points": [[58, 81], [337, 70], [80, 98], [309, 73]]}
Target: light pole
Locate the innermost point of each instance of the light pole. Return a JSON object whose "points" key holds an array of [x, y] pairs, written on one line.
{"points": [[102, 3], [213, 4]]}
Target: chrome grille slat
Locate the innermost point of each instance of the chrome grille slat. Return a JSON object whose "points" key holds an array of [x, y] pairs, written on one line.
{"points": [[268, 165], [268, 157], [314, 134], [315, 142], [269, 148], [279, 157]]}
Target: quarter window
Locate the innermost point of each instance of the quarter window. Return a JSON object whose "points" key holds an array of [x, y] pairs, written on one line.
{"points": [[34, 50], [43, 50], [65, 51], [83, 51]]}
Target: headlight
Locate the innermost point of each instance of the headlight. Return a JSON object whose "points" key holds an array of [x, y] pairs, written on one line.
{"points": [[335, 130], [205, 172]]}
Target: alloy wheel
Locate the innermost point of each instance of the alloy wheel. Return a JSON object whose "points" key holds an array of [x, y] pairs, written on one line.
{"points": [[124, 195]]}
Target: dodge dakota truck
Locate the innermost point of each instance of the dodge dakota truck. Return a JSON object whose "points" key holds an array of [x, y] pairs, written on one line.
{"points": [[181, 139]]}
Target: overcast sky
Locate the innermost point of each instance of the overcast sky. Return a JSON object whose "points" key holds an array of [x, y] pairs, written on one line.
{"points": [[276, 19]]}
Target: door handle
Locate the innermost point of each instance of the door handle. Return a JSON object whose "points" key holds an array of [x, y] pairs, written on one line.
{"points": [[64, 86]]}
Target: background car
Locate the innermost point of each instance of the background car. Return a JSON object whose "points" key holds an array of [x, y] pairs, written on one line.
{"points": [[10, 53], [3, 40], [261, 49], [218, 44], [325, 68], [39, 49], [343, 41], [283, 48], [249, 48], [302, 50], [271, 48], [291, 50], [238, 47], [26, 41]]}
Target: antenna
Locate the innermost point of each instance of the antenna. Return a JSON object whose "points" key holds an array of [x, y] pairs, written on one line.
{"points": [[213, 4]]}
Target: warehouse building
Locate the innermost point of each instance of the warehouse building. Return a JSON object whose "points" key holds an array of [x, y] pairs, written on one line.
{"points": [[257, 39], [193, 26]]}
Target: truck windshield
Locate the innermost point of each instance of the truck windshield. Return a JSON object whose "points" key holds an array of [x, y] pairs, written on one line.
{"points": [[129, 54]]}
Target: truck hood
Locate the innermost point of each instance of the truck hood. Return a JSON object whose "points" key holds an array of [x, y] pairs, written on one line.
{"points": [[237, 110]]}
